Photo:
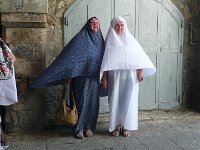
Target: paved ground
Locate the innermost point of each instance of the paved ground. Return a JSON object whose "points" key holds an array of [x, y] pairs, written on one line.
{"points": [[158, 130]]}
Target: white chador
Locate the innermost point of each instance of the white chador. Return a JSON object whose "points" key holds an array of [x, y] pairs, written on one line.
{"points": [[123, 56], [8, 91]]}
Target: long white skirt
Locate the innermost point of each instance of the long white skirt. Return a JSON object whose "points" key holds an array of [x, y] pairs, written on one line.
{"points": [[8, 91], [123, 91]]}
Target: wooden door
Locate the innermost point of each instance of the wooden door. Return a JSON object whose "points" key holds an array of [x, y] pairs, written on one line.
{"points": [[158, 26], [170, 57], [148, 36], [74, 19]]}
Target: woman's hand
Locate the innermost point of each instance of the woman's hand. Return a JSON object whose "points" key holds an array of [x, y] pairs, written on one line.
{"points": [[140, 75], [1, 40], [104, 81], [69, 81]]}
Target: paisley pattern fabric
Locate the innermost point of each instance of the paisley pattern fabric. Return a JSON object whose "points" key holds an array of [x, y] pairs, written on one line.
{"points": [[6, 66], [82, 56], [8, 89], [86, 91]]}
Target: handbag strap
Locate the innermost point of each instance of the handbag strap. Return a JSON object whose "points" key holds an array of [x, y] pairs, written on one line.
{"points": [[71, 94]]}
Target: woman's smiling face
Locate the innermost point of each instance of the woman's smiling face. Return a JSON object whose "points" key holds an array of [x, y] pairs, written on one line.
{"points": [[119, 28], [94, 25]]}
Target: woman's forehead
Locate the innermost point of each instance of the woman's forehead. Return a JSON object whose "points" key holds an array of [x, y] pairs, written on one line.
{"points": [[118, 19], [94, 19], [119, 23]]}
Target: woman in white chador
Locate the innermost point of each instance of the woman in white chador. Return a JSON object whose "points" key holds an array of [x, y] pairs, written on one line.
{"points": [[124, 65]]}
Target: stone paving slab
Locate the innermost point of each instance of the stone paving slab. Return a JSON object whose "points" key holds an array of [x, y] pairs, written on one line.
{"points": [[158, 130]]}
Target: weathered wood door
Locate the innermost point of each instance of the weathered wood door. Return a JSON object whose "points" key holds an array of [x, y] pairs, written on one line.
{"points": [[158, 26]]}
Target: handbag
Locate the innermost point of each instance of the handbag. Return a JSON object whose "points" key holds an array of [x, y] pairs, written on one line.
{"points": [[66, 114], [6, 65]]}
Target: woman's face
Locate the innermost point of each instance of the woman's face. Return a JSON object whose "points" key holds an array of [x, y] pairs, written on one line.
{"points": [[119, 28], [94, 25]]}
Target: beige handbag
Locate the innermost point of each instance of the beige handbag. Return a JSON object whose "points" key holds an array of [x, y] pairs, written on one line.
{"points": [[65, 114]]}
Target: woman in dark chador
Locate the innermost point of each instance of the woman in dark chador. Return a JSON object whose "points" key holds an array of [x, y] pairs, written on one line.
{"points": [[79, 62]]}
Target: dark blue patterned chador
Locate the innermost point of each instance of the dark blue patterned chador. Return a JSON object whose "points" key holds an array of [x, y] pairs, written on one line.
{"points": [[80, 60], [82, 56]]}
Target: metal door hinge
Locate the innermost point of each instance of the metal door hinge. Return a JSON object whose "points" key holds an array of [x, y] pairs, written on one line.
{"points": [[66, 21], [181, 49], [179, 99], [182, 23]]}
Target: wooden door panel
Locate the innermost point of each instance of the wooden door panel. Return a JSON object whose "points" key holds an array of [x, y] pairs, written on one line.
{"points": [[148, 23], [170, 29], [168, 78], [147, 94], [127, 9], [103, 14], [75, 19]]}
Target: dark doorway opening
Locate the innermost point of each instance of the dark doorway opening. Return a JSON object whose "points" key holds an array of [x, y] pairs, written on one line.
{"points": [[0, 27], [2, 108]]}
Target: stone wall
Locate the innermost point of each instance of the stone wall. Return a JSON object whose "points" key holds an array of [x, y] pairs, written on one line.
{"points": [[26, 35], [13, 6], [191, 64], [36, 36]]}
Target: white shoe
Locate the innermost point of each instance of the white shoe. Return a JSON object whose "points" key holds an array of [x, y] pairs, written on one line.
{"points": [[2, 148], [6, 146]]}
